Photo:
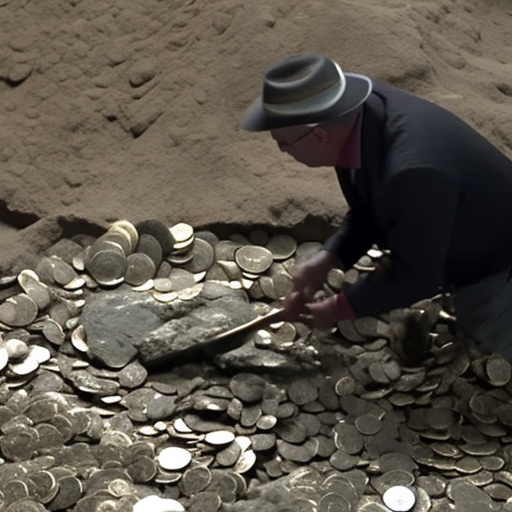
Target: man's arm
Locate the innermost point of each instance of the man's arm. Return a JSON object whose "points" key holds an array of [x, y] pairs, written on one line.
{"points": [[352, 239], [421, 206]]}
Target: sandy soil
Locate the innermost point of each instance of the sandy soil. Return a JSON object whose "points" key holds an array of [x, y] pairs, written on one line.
{"points": [[115, 109]]}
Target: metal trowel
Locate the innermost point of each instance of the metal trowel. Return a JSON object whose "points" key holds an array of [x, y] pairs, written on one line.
{"points": [[224, 341]]}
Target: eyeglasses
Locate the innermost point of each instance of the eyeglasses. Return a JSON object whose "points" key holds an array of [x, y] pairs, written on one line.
{"points": [[288, 147]]}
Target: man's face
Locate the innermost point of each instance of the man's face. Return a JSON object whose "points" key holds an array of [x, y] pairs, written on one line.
{"points": [[314, 146]]}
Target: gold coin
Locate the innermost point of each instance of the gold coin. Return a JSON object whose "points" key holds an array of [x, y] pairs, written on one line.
{"points": [[282, 247], [181, 232], [336, 279], [119, 237], [129, 228], [254, 259]]}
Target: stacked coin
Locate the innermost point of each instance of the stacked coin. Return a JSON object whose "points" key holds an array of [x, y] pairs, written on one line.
{"points": [[105, 259], [183, 236]]}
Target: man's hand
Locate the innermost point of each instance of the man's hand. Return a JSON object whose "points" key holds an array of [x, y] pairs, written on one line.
{"points": [[321, 314], [309, 278]]}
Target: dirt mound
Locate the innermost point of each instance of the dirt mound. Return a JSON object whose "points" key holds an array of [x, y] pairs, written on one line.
{"points": [[131, 111]]}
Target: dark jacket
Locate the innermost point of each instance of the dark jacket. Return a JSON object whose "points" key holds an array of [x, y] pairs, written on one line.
{"points": [[434, 192]]}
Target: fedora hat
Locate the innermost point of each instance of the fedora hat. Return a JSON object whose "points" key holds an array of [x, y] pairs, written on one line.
{"points": [[305, 89]]}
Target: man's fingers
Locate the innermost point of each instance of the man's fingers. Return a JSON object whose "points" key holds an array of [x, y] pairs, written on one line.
{"points": [[293, 306]]}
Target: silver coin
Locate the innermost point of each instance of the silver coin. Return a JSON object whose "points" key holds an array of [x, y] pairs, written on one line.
{"points": [[44, 486], [154, 503], [150, 246], [195, 480], [162, 284], [48, 436], [174, 458], [368, 424], [132, 375], [203, 257], [347, 438], [219, 437], [107, 267], [181, 279], [70, 491], [140, 268], [182, 257], [349, 332], [19, 444], [18, 311], [298, 453], [333, 502], [247, 387], [306, 250], [25, 505], [34, 288], [206, 501], [302, 391], [144, 469], [228, 456], [336, 279], [291, 431], [498, 369], [62, 271], [79, 339], [343, 461], [245, 462], [399, 498], [263, 442], [498, 491], [268, 289], [16, 348], [341, 484]]}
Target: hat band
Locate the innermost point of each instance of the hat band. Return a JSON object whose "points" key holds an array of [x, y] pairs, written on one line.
{"points": [[312, 105]]}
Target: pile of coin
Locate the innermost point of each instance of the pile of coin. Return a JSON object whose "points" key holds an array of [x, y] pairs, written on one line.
{"points": [[356, 432]]}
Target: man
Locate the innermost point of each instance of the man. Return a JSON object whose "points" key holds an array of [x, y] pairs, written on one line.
{"points": [[418, 181]]}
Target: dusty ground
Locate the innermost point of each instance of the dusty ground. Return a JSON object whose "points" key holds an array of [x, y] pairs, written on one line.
{"points": [[115, 109]]}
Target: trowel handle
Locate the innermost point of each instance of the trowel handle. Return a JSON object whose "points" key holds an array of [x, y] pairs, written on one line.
{"points": [[262, 321]]}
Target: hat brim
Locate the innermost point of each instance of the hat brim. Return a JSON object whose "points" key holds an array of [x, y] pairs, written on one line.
{"points": [[357, 90]]}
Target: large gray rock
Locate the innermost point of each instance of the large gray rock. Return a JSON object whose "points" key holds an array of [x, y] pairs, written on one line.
{"points": [[186, 338], [121, 324], [115, 319]]}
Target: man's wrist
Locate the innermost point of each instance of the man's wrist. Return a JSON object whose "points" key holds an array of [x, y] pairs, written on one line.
{"points": [[344, 310]]}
